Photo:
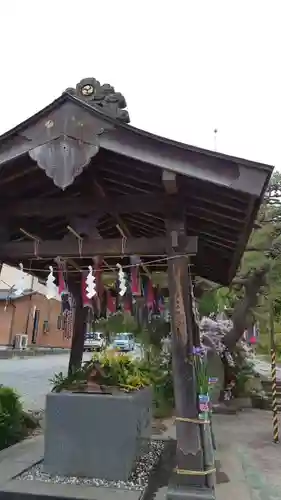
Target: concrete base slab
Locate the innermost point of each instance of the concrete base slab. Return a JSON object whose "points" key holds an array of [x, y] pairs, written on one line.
{"points": [[25, 490], [22, 456]]}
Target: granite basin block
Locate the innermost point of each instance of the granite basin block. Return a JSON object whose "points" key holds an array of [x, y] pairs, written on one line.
{"points": [[96, 435]]}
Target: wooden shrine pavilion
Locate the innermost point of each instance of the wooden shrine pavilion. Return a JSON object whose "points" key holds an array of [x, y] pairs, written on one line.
{"points": [[78, 181]]}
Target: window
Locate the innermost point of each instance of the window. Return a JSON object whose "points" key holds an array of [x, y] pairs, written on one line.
{"points": [[60, 322], [45, 326]]}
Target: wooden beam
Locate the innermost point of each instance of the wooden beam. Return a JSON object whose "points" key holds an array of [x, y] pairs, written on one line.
{"points": [[90, 248], [72, 206], [169, 180]]}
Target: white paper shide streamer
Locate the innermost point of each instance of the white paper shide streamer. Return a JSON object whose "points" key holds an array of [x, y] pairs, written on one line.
{"points": [[20, 285], [51, 285], [91, 284], [122, 280]]}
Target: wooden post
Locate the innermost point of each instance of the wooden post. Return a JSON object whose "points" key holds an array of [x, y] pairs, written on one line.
{"points": [[79, 327], [184, 483]]}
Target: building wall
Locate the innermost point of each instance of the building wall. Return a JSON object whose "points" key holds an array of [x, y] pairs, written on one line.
{"points": [[19, 318], [9, 276]]}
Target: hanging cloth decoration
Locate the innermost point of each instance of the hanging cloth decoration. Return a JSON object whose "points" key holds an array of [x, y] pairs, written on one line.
{"points": [[62, 288], [91, 284], [127, 305], [51, 292], [20, 286], [69, 314], [62, 285], [150, 295], [121, 281], [99, 285], [135, 276], [86, 301]]}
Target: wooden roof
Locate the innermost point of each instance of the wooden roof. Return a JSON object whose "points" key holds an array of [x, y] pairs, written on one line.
{"points": [[111, 181]]}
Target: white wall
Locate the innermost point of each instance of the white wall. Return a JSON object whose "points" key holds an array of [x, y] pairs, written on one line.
{"points": [[9, 276]]}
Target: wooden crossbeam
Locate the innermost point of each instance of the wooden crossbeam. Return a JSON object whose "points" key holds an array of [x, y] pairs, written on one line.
{"points": [[169, 180], [72, 206], [94, 247]]}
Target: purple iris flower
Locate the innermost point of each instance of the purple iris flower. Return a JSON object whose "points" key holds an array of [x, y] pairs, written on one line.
{"points": [[198, 351]]}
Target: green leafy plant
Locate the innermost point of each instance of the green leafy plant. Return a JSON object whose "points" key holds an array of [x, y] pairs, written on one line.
{"points": [[128, 374], [122, 371], [12, 427], [158, 369]]}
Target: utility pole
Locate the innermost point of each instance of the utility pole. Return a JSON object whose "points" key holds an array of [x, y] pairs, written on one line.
{"points": [[215, 139]]}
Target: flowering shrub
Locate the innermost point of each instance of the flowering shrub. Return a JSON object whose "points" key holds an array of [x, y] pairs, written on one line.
{"points": [[238, 365]]}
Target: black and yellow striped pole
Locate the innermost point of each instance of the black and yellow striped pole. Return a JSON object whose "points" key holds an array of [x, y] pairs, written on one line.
{"points": [[273, 377]]}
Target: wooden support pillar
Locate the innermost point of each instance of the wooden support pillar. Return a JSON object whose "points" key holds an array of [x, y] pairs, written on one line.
{"points": [[183, 483], [79, 328]]}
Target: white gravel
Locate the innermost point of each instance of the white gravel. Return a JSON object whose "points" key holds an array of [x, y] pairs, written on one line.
{"points": [[137, 481]]}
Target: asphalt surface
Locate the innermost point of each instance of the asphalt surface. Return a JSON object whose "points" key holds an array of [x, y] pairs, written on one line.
{"points": [[31, 376], [263, 368]]}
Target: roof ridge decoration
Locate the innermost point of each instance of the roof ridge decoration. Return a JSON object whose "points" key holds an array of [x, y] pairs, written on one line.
{"points": [[66, 141], [102, 97]]}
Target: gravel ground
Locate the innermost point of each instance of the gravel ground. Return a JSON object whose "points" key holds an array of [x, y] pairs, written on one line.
{"points": [[137, 481]]}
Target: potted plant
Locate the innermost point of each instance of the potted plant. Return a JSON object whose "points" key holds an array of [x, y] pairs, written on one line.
{"points": [[99, 412]]}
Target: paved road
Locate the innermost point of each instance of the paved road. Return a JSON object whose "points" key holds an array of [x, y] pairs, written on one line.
{"points": [[263, 368], [31, 376]]}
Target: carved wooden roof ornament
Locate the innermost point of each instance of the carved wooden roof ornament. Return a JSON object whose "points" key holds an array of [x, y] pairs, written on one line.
{"points": [[102, 97], [63, 159], [68, 137]]}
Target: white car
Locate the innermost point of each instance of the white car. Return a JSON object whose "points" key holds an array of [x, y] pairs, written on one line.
{"points": [[124, 342], [94, 341]]}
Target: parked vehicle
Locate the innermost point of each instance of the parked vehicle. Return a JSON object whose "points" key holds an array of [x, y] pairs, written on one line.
{"points": [[94, 341], [124, 342]]}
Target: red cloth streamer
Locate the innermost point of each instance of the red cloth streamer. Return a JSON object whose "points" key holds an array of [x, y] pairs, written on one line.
{"points": [[62, 285], [135, 281], [150, 295], [85, 300], [127, 305]]}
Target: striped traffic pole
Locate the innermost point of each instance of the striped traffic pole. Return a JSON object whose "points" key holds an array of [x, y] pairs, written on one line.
{"points": [[275, 422], [274, 397]]}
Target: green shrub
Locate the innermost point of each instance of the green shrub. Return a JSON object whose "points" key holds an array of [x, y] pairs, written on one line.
{"points": [[11, 418], [159, 371]]}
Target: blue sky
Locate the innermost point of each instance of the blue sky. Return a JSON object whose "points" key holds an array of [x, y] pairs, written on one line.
{"points": [[185, 67]]}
